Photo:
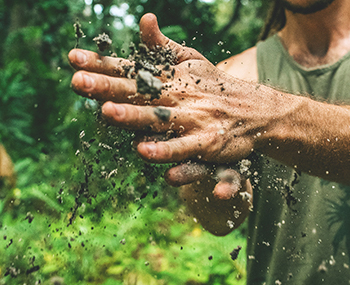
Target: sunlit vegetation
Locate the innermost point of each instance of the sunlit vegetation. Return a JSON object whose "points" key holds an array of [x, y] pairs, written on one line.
{"points": [[85, 209]]}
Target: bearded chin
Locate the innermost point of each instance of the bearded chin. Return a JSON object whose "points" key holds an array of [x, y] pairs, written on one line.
{"points": [[314, 7]]}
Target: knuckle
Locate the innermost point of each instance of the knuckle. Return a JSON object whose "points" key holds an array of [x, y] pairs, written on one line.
{"points": [[137, 115], [165, 151], [106, 85]]}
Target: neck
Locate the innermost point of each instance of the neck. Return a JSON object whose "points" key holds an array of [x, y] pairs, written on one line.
{"points": [[319, 38]]}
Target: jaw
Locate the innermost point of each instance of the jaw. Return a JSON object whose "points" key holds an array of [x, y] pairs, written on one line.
{"points": [[305, 7]]}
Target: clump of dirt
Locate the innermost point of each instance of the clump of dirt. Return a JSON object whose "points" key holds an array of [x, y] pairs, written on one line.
{"points": [[162, 113], [78, 32], [103, 41], [148, 84], [13, 271], [146, 59], [235, 252], [146, 67], [29, 217]]}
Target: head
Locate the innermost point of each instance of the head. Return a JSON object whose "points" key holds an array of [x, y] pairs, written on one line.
{"points": [[276, 18]]}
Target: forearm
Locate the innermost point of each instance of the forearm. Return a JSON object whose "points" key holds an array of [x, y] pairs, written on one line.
{"points": [[310, 136]]}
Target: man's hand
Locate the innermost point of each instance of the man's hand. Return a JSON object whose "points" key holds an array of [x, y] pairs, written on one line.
{"points": [[103, 78], [189, 102], [211, 114]]}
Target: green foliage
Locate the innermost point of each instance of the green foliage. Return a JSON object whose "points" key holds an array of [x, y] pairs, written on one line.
{"points": [[81, 188], [149, 245], [14, 122]]}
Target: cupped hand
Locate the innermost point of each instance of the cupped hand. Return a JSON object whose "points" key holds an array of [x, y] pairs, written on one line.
{"points": [[224, 209]]}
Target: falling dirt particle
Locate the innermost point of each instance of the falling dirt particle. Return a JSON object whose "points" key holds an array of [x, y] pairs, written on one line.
{"points": [[29, 217], [103, 41], [78, 32], [11, 241], [288, 195], [244, 166], [235, 252], [143, 196], [33, 269], [322, 268], [13, 271], [246, 196], [230, 224], [236, 214], [155, 194]]}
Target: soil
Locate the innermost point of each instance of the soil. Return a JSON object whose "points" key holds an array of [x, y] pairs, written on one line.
{"points": [[103, 41], [146, 68], [162, 113], [148, 84], [78, 32], [235, 252]]}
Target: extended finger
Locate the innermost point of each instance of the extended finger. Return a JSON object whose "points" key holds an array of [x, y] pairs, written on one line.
{"points": [[156, 119], [91, 61], [103, 88], [174, 150]]}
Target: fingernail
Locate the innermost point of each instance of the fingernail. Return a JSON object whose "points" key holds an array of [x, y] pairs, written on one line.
{"points": [[119, 111], [88, 81], [80, 57]]}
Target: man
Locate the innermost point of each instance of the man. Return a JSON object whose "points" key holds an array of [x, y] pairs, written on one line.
{"points": [[298, 231]]}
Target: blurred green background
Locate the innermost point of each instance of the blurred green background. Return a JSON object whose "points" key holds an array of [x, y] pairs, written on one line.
{"points": [[85, 209]]}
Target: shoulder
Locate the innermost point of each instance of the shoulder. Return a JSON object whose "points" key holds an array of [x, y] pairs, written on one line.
{"points": [[243, 65]]}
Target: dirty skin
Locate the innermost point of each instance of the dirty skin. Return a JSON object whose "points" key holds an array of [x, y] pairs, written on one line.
{"points": [[162, 113]]}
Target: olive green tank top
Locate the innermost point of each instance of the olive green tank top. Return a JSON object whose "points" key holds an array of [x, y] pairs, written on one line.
{"points": [[299, 230]]}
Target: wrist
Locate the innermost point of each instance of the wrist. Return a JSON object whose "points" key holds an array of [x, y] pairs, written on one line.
{"points": [[282, 122]]}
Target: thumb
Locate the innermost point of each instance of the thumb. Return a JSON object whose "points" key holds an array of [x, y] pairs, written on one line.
{"points": [[230, 183], [152, 37]]}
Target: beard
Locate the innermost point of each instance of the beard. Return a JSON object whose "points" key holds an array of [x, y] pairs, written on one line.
{"points": [[311, 8]]}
